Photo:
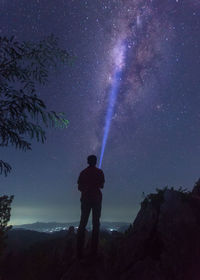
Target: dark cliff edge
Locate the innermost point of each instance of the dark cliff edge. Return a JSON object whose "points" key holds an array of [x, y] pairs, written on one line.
{"points": [[165, 240]]}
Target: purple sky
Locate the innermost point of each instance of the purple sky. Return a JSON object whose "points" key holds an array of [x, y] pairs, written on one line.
{"points": [[154, 138]]}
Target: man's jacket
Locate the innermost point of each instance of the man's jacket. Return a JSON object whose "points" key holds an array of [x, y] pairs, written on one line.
{"points": [[90, 181]]}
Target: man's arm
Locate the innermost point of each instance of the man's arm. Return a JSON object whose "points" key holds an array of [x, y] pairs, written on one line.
{"points": [[80, 183], [102, 180]]}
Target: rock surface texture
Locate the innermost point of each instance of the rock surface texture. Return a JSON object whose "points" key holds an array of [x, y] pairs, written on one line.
{"points": [[165, 241]]}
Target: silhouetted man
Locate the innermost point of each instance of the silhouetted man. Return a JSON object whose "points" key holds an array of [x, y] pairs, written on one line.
{"points": [[90, 181]]}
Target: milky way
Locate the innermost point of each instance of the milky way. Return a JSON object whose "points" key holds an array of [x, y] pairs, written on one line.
{"points": [[136, 29], [140, 29], [144, 27]]}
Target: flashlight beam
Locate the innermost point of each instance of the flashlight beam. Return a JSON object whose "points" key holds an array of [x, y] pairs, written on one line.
{"points": [[111, 104]]}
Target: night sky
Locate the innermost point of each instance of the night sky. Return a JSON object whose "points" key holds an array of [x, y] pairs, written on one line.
{"points": [[154, 137]]}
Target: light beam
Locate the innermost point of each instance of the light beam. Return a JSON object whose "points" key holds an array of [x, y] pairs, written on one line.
{"points": [[119, 53]]}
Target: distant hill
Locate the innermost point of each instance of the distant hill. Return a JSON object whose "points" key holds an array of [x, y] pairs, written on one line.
{"points": [[19, 240], [56, 226], [46, 226], [23, 236]]}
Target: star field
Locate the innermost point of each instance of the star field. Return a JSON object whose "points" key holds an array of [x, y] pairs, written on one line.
{"points": [[154, 135]]}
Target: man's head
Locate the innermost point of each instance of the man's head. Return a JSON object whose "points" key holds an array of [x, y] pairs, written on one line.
{"points": [[92, 160]]}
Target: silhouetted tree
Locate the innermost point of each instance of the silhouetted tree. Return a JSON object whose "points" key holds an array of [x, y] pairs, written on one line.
{"points": [[5, 202], [23, 65]]}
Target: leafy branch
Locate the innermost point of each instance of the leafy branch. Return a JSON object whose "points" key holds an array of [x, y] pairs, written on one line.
{"points": [[23, 66]]}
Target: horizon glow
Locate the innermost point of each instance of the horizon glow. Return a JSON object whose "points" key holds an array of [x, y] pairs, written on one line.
{"points": [[119, 57]]}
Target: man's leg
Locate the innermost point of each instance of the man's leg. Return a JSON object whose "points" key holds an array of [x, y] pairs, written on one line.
{"points": [[96, 213], [85, 212]]}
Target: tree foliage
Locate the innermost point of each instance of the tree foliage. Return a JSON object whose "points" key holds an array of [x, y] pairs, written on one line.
{"points": [[5, 202], [23, 115]]}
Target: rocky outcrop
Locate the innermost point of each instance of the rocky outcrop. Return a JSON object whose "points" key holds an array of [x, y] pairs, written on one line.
{"points": [[165, 241]]}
